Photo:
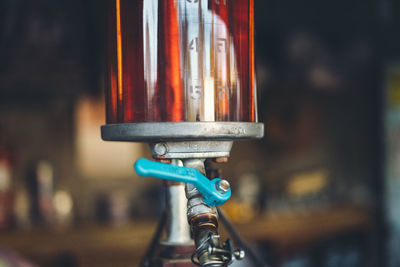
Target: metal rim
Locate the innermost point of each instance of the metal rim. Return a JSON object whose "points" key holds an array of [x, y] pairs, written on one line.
{"points": [[178, 131]]}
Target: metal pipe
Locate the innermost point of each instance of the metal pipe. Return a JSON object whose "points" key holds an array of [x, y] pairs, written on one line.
{"points": [[178, 229]]}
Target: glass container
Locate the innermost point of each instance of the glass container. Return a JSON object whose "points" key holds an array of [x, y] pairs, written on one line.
{"points": [[180, 61]]}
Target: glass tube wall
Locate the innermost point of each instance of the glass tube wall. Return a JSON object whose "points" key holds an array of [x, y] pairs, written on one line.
{"points": [[180, 60]]}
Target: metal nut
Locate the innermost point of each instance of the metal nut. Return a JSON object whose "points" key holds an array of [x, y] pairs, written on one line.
{"points": [[160, 149], [223, 186]]}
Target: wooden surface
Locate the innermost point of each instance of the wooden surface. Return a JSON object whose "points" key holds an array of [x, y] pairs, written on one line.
{"points": [[290, 229], [95, 245]]}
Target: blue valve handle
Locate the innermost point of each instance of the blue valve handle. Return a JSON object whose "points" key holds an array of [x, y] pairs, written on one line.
{"points": [[207, 188]]}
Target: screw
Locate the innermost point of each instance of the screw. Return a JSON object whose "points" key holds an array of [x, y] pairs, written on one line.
{"points": [[160, 149], [223, 186], [240, 254]]}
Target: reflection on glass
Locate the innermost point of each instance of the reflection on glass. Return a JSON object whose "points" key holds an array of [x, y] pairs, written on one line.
{"points": [[180, 60]]}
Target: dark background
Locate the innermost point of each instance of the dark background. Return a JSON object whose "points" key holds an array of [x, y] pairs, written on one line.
{"points": [[322, 78]]}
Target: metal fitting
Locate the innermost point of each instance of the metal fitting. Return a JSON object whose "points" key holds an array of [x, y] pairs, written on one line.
{"points": [[196, 205], [240, 254], [203, 221], [191, 149], [160, 149]]}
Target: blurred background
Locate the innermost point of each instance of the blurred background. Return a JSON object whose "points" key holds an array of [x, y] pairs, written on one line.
{"points": [[321, 189]]}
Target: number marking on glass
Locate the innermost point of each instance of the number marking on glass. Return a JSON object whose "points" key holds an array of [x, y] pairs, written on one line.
{"points": [[194, 44], [196, 92], [223, 92], [221, 44]]}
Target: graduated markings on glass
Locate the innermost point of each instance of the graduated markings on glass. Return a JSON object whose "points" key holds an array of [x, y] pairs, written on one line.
{"points": [[222, 44], [204, 91], [196, 90]]}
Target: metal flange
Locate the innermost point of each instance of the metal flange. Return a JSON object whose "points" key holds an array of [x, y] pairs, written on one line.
{"points": [[182, 131]]}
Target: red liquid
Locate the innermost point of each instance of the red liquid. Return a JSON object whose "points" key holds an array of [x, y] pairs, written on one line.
{"points": [[180, 60]]}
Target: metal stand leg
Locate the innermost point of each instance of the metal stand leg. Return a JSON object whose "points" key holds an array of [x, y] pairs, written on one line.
{"points": [[177, 248], [148, 257], [178, 230]]}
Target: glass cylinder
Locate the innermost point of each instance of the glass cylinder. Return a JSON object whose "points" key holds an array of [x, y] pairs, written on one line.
{"points": [[180, 61]]}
